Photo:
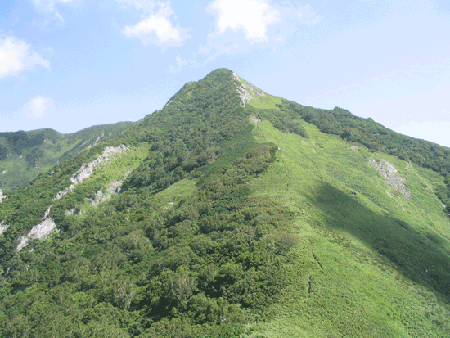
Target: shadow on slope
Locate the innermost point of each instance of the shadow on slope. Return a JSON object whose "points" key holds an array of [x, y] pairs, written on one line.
{"points": [[417, 256]]}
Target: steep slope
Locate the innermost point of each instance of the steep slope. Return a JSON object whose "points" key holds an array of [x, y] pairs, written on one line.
{"points": [[226, 214], [24, 155]]}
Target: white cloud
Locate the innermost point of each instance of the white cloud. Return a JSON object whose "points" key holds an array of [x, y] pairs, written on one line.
{"points": [[38, 107], [15, 56], [251, 16], [157, 24], [262, 23], [156, 27]]}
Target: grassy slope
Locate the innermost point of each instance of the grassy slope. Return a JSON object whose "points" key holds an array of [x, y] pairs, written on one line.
{"points": [[367, 264]]}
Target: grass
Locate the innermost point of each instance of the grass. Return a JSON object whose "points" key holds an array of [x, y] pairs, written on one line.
{"points": [[374, 266]]}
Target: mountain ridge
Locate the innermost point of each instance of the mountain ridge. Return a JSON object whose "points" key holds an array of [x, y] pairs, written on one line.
{"points": [[234, 218], [27, 154]]}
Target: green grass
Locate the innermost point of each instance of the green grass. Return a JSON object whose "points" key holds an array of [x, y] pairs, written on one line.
{"points": [[373, 250]]}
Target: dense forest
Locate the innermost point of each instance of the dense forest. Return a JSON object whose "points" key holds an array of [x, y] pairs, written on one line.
{"points": [[203, 267]]}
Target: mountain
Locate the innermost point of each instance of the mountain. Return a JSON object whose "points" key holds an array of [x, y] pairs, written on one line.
{"points": [[24, 155], [233, 213]]}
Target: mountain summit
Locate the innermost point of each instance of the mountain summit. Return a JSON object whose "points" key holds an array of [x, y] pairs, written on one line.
{"points": [[232, 213]]}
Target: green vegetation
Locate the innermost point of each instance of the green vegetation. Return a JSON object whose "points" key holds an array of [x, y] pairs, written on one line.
{"points": [[378, 138], [367, 265], [24, 155], [229, 228]]}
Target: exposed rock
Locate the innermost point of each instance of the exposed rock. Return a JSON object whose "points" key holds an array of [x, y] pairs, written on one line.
{"points": [[353, 147], [86, 169], [4, 171], [61, 193], [255, 119], [74, 211], [47, 212], [388, 171], [114, 188], [237, 77], [40, 231], [95, 143], [246, 91], [23, 240], [3, 227], [99, 198], [2, 197]]}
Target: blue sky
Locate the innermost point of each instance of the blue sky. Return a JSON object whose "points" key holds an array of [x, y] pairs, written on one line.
{"points": [[70, 64]]}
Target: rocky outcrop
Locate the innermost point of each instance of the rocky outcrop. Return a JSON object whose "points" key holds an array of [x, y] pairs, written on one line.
{"points": [[95, 143], [246, 91], [73, 211], [40, 231], [2, 197], [3, 227], [389, 172], [255, 119], [86, 170], [114, 188]]}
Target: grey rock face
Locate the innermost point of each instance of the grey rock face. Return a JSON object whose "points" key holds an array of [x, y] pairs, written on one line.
{"points": [[246, 91], [73, 211], [2, 197], [255, 119], [40, 231], [86, 170], [389, 172], [3, 227], [114, 188]]}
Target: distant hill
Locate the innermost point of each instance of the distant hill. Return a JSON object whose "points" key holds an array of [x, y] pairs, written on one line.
{"points": [[24, 155], [229, 213]]}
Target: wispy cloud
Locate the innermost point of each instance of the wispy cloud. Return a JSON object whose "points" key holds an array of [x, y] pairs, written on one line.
{"points": [[180, 64], [50, 6], [16, 56], [38, 107], [157, 26], [307, 16]]}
